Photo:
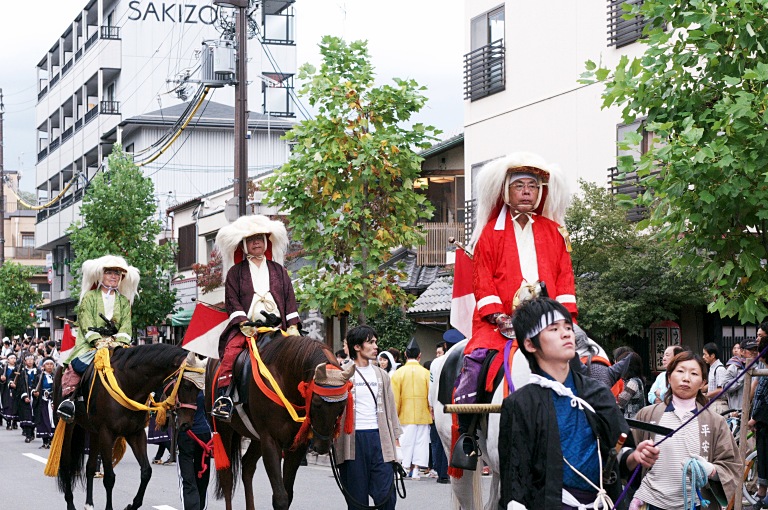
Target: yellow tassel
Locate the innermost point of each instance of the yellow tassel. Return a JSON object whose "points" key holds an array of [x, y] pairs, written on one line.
{"points": [[160, 418], [118, 451], [54, 457]]}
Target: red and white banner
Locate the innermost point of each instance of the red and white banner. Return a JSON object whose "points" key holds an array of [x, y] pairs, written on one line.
{"points": [[205, 328], [67, 343], [463, 300]]}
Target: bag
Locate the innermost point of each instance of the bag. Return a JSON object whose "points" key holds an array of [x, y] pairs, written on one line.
{"points": [[465, 453]]}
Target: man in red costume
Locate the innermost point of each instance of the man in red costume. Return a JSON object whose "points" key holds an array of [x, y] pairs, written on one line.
{"points": [[519, 245]]}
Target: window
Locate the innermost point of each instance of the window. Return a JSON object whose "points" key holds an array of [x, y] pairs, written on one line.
{"points": [[622, 32], [629, 184], [27, 240], [210, 244], [187, 247], [484, 72]]}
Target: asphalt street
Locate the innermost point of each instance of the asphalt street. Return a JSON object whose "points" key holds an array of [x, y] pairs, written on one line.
{"points": [[25, 487]]}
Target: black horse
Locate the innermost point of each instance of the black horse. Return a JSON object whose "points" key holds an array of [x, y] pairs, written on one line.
{"points": [[138, 371], [295, 363]]}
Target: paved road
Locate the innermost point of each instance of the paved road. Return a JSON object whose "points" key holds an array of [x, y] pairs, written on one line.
{"points": [[26, 488]]}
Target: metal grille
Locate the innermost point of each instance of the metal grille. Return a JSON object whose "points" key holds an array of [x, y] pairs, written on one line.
{"points": [[469, 219], [622, 32], [629, 185], [432, 253], [484, 71]]}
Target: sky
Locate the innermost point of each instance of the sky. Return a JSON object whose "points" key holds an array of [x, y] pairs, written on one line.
{"points": [[418, 39]]}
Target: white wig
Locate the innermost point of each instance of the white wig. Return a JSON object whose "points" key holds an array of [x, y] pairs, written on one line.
{"points": [[493, 177], [93, 273], [230, 239]]}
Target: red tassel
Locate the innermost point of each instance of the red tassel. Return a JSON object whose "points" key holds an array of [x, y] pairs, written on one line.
{"points": [[220, 456], [452, 471], [349, 421], [302, 435]]}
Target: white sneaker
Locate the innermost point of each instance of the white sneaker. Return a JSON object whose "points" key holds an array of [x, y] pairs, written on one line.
{"points": [[416, 475]]}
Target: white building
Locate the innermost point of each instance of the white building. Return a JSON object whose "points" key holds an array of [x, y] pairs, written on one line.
{"points": [[112, 71], [521, 89]]}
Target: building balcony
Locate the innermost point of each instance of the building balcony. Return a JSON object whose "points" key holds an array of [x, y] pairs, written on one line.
{"points": [[60, 205], [24, 252], [42, 93], [55, 79], [78, 54], [42, 154], [67, 67], [110, 108], [109, 32], [433, 252], [629, 186], [91, 41], [54, 144], [78, 124], [91, 114], [484, 71], [67, 134]]}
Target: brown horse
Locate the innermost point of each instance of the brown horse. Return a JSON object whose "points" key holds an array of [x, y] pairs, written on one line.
{"points": [[139, 371], [296, 363]]}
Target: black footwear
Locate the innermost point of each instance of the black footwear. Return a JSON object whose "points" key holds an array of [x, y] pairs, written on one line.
{"points": [[66, 411], [222, 408], [27, 439], [443, 480]]}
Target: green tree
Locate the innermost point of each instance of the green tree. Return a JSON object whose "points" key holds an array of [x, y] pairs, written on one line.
{"points": [[702, 87], [625, 279], [119, 218], [393, 328], [349, 184], [17, 298]]}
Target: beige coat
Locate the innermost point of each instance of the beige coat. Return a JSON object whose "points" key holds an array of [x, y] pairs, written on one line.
{"points": [[389, 425]]}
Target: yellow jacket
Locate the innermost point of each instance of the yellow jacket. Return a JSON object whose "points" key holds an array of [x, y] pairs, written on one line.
{"points": [[410, 384]]}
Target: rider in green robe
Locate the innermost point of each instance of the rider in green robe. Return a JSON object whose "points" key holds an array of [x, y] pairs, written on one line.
{"points": [[103, 319]]}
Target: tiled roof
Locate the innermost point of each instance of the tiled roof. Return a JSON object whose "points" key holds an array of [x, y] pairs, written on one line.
{"points": [[418, 278], [436, 300]]}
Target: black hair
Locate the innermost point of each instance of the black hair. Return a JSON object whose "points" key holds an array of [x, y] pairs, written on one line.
{"points": [[635, 367], [357, 336], [341, 354], [712, 349], [527, 317], [762, 345]]}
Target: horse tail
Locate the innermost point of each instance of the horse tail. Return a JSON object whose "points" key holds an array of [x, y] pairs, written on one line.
{"points": [[72, 460], [234, 451]]}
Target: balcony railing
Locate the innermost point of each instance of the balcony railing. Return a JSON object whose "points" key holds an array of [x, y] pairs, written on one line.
{"points": [[433, 252], [67, 134], [42, 154], [110, 107], [55, 79], [78, 124], [67, 67], [42, 93], [109, 32], [78, 53], [91, 114], [91, 40], [25, 252], [629, 185], [61, 204], [54, 144], [484, 71]]}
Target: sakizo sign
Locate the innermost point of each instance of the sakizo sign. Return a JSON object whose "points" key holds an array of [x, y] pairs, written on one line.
{"points": [[172, 12]]}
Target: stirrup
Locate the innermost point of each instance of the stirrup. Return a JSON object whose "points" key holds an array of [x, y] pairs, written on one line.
{"points": [[66, 411], [222, 408]]}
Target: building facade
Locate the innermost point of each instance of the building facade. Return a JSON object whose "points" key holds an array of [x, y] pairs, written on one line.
{"points": [[119, 60]]}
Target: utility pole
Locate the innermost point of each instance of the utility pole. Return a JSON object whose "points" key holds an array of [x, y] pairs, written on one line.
{"points": [[2, 185], [241, 101]]}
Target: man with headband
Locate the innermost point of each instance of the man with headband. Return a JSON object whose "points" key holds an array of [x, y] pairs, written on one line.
{"points": [[519, 244], [555, 430]]}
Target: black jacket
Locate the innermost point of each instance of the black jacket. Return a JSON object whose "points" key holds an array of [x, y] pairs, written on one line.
{"points": [[531, 460]]}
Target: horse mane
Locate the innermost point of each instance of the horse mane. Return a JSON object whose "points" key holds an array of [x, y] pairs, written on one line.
{"points": [[305, 353], [159, 355]]}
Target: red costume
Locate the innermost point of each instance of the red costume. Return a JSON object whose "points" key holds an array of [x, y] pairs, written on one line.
{"points": [[497, 274]]}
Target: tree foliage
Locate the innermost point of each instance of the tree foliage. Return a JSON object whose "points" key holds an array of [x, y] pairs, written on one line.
{"points": [[17, 298], [702, 87], [210, 275], [393, 327], [625, 279], [349, 184], [119, 217]]}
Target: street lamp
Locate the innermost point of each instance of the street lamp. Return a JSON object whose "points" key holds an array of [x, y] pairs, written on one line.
{"points": [[241, 101]]}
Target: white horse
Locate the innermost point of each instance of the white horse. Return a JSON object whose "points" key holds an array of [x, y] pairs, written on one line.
{"points": [[467, 491]]}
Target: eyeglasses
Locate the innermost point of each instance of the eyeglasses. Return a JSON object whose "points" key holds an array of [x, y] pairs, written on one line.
{"points": [[519, 186], [112, 272]]}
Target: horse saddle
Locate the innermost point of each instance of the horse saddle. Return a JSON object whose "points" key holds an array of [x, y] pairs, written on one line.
{"points": [[491, 374], [242, 371]]}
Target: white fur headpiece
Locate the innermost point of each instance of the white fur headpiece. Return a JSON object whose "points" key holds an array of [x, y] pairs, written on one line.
{"points": [[93, 273], [492, 178], [230, 239]]}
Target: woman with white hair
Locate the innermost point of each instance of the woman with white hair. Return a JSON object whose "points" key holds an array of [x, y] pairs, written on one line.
{"points": [[103, 320]]}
